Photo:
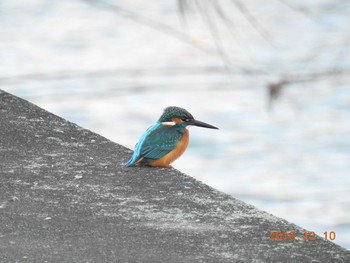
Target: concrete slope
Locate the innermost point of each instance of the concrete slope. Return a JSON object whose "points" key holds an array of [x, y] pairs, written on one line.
{"points": [[66, 197]]}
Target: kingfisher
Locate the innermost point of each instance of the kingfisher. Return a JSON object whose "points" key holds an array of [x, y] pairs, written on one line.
{"points": [[166, 140]]}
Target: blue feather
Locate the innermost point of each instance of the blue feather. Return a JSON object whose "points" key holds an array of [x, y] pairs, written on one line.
{"points": [[157, 141]]}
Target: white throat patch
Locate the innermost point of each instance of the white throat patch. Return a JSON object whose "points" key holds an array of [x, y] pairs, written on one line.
{"points": [[168, 123]]}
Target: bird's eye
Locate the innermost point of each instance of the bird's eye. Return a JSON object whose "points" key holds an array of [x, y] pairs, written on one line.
{"points": [[185, 119]]}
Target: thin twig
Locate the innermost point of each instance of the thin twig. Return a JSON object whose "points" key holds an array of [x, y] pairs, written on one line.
{"points": [[253, 21], [214, 32], [149, 22]]}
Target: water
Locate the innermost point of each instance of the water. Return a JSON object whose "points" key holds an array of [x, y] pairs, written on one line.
{"points": [[114, 76]]}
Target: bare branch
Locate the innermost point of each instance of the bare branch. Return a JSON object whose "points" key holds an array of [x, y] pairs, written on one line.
{"points": [[253, 21], [275, 89], [149, 22]]}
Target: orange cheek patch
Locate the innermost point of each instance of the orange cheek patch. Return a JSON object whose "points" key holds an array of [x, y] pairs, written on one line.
{"points": [[176, 120]]}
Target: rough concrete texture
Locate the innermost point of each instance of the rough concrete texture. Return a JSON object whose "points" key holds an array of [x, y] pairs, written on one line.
{"points": [[66, 197]]}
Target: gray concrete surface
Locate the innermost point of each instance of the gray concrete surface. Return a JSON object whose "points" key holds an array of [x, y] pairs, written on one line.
{"points": [[66, 197]]}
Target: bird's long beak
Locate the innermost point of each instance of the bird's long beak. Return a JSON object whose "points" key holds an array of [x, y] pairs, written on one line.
{"points": [[201, 124]]}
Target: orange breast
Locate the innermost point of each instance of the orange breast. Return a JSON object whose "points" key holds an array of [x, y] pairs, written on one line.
{"points": [[167, 159]]}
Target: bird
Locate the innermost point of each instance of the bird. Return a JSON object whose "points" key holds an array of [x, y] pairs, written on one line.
{"points": [[166, 140]]}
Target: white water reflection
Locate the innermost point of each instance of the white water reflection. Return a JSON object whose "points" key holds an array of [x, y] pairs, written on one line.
{"points": [[114, 76]]}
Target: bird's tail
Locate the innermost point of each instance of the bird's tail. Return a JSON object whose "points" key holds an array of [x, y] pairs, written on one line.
{"points": [[129, 163], [133, 160]]}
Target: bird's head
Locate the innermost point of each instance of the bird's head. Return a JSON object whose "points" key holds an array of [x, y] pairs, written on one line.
{"points": [[173, 115]]}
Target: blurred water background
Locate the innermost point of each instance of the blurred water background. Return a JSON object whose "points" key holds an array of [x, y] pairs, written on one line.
{"points": [[112, 66]]}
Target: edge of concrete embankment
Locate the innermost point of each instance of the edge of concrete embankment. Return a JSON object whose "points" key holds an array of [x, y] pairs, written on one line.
{"points": [[66, 197]]}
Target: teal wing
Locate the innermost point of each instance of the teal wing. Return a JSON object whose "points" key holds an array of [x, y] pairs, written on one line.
{"points": [[160, 142], [156, 142]]}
